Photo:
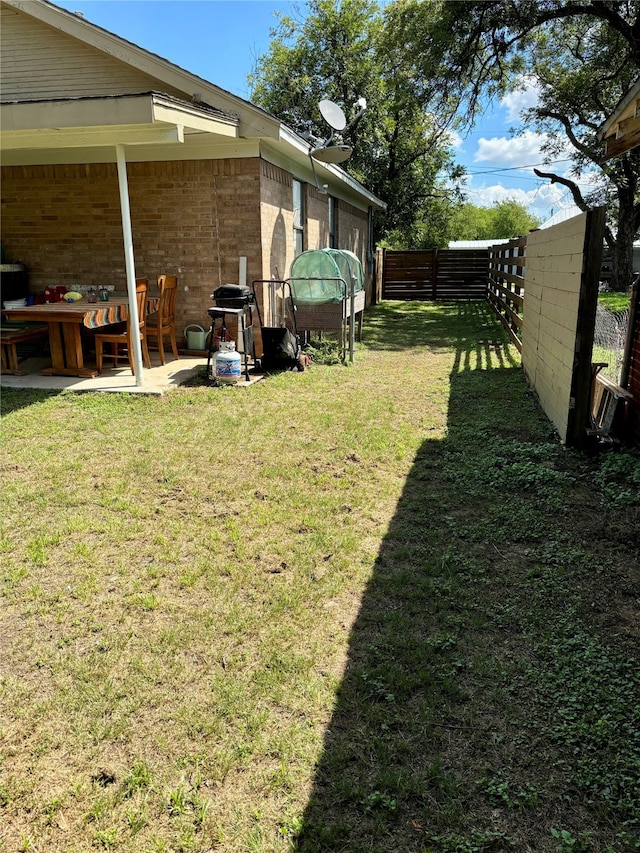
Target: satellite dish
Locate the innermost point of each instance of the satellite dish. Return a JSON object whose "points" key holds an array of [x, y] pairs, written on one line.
{"points": [[333, 115], [332, 153]]}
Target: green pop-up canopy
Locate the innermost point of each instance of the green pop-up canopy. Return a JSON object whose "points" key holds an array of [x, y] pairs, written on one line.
{"points": [[324, 275]]}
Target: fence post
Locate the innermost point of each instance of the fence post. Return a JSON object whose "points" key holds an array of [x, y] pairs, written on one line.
{"points": [[376, 295], [634, 305], [580, 407], [434, 275]]}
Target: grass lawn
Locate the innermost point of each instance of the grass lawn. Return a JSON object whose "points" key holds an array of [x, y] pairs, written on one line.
{"points": [[611, 331], [614, 301], [366, 608]]}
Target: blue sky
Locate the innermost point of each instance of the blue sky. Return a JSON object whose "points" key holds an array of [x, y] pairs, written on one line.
{"points": [[221, 39]]}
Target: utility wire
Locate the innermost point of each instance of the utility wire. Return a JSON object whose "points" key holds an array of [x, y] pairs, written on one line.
{"points": [[517, 168]]}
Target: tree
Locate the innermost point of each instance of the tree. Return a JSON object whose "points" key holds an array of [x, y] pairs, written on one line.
{"points": [[470, 222], [582, 58], [510, 219], [503, 221], [339, 51]]}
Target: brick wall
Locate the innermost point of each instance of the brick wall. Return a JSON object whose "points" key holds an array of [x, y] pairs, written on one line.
{"points": [[192, 219], [317, 236], [277, 222], [276, 213], [352, 231]]}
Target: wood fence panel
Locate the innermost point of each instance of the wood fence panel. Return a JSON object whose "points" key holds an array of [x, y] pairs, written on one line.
{"points": [[408, 275], [505, 292], [435, 274], [462, 274], [377, 293], [631, 380], [561, 282]]}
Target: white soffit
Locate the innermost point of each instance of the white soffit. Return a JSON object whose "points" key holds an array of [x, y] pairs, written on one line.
{"points": [[89, 122]]}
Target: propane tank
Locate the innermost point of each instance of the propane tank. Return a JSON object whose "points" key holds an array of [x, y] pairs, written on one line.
{"points": [[228, 363]]}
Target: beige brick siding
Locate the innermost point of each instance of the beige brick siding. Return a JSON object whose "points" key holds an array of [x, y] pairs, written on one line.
{"points": [[277, 222], [317, 236], [276, 213], [352, 230], [192, 219]]}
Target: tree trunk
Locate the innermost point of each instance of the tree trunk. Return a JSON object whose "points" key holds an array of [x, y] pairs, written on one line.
{"points": [[623, 250]]}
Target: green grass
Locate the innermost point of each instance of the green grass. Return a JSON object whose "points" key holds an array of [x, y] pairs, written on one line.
{"points": [[614, 301], [364, 608], [611, 356]]}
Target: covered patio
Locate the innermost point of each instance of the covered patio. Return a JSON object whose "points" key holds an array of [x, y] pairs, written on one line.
{"points": [[105, 128], [158, 380], [118, 165]]}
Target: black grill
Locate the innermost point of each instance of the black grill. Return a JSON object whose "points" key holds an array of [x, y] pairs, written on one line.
{"points": [[232, 296]]}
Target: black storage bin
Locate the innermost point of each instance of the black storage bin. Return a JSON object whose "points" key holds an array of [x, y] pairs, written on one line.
{"points": [[14, 282], [280, 349]]}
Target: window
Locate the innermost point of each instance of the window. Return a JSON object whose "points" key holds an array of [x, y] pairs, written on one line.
{"points": [[298, 219], [333, 210]]}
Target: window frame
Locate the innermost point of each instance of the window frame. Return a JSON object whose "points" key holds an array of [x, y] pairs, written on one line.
{"points": [[333, 221], [299, 214]]}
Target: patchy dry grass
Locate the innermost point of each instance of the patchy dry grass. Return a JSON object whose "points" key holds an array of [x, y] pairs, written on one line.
{"points": [[374, 608]]}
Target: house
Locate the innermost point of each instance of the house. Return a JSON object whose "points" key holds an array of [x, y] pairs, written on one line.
{"points": [[621, 131], [117, 163]]}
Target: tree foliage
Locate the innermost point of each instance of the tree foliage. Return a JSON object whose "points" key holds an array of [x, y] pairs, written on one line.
{"points": [[503, 221], [581, 56], [340, 51]]}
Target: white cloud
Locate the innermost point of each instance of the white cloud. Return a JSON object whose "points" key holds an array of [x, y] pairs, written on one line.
{"points": [[501, 167], [454, 139], [525, 97], [505, 151], [539, 200]]}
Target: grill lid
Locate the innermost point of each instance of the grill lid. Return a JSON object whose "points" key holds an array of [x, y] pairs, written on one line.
{"points": [[232, 291]]}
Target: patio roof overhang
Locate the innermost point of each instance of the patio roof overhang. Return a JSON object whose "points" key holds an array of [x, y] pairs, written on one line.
{"points": [[621, 131], [89, 123], [113, 125]]}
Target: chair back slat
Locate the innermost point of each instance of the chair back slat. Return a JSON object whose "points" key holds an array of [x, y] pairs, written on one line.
{"points": [[168, 287], [125, 337], [163, 322], [142, 286]]}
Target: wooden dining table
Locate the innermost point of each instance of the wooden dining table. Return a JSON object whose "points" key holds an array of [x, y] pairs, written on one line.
{"points": [[65, 321]]}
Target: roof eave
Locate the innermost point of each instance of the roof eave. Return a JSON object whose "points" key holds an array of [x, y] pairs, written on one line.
{"points": [[90, 122], [253, 120]]}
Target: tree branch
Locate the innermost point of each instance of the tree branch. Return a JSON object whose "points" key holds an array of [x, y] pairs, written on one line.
{"points": [[595, 9], [564, 121], [570, 185]]}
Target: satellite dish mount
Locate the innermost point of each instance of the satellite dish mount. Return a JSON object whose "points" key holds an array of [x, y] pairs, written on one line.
{"points": [[329, 151]]}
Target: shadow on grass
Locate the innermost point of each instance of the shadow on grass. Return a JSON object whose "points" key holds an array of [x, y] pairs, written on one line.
{"points": [[434, 744], [392, 325], [12, 399]]}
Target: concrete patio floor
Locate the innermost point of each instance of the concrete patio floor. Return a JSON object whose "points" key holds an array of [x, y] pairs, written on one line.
{"points": [[158, 380]]}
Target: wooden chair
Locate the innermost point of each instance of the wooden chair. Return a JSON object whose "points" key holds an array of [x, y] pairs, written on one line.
{"points": [[10, 337], [123, 337], [164, 322]]}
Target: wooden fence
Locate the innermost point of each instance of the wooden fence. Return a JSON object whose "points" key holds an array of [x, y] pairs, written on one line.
{"points": [[506, 285], [430, 274], [631, 367], [498, 274]]}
